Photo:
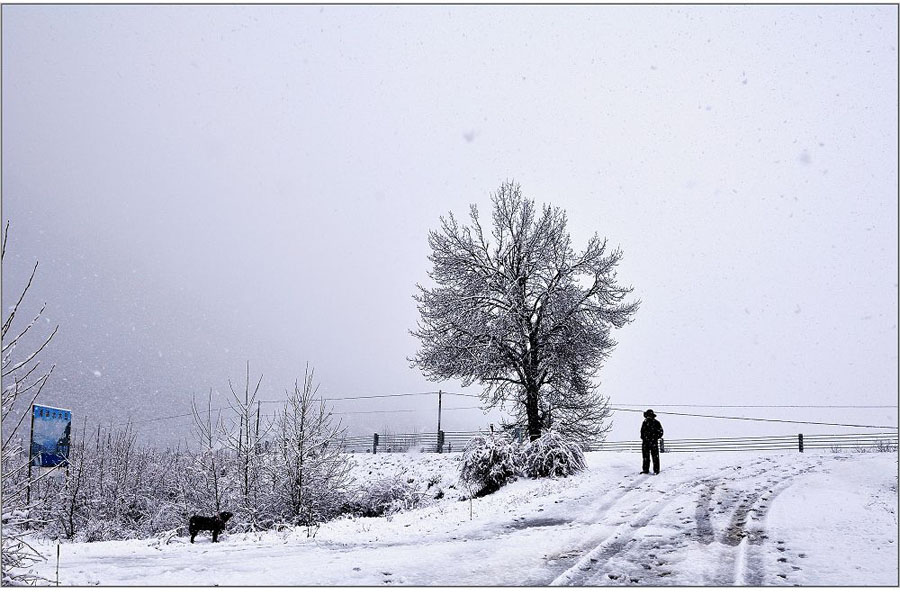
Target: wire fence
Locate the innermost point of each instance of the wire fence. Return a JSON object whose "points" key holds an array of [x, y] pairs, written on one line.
{"points": [[424, 442], [449, 442]]}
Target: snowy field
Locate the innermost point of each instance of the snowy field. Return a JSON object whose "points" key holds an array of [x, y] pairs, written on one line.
{"points": [[739, 518]]}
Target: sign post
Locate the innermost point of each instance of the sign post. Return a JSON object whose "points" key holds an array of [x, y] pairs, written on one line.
{"points": [[30, 448]]}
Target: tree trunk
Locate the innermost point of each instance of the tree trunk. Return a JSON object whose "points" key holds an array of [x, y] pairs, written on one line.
{"points": [[531, 411]]}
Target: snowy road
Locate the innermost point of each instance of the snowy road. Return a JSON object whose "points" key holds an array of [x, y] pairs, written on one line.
{"points": [[707, 519]]}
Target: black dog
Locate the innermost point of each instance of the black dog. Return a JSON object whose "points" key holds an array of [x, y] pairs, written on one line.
{"points": [[215, 524]]}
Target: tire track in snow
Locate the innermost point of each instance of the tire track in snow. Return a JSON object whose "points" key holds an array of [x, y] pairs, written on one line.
{"points": [[592, 563], [746, 531], [615, 498], [705, 531], [606, 503], [588, 565]]}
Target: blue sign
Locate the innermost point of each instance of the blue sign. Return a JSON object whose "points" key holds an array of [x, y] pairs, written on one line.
{"points": [[50, 436]]}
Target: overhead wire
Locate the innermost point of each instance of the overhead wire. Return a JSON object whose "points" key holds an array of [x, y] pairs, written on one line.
{"points": [[625, 407]]}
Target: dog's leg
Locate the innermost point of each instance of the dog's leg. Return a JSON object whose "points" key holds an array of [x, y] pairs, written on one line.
{"points": [[215, 536]]}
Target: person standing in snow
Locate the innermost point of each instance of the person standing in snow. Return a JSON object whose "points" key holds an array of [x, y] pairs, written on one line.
{"points": [[651, 432]]}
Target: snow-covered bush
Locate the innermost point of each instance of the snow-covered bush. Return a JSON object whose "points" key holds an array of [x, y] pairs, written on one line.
{"points": [[552, 455], [384, 497], [489, 463]]}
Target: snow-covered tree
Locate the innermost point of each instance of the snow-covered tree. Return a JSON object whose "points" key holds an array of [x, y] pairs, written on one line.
{"points": [[208, 466], [309, 470], [519, 312], [244, 441], [23, 377]]}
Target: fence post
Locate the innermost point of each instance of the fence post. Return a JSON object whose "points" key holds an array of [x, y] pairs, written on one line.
{"points": [[375, 444], [440, 437], [800, 441], [662, 445], [440, 445]]}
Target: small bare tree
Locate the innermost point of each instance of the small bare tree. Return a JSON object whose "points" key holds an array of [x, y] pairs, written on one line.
{"points": [[208, 432], [22, 378], [244, 441], [311, 472]]}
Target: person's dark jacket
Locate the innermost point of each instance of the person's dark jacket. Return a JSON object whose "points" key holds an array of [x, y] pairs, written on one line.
{"points": [[651, 430]]}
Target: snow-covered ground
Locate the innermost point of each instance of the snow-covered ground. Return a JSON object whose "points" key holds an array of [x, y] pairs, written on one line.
{"points": [[740, 518]]}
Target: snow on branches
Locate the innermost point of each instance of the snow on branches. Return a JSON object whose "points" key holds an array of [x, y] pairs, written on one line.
{"points": [[519, 312], [552, 455], [489, 463], [23, 379]]}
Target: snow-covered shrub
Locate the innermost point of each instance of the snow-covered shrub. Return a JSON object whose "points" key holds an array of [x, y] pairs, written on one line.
{"points": [[552, 455], [490, 462], [384, 497], [17, 518], [97, 530]]}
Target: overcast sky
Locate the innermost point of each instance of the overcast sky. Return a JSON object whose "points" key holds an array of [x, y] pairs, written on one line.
{"points": [[208, 185]]}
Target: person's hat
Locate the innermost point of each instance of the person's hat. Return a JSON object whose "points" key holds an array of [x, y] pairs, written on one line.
{"points": [[649, 413]]}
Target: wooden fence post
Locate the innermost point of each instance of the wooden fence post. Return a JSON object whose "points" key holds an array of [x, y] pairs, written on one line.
{"points": [[375, 444], [662, 445], [800, 441], [440, 442]]}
